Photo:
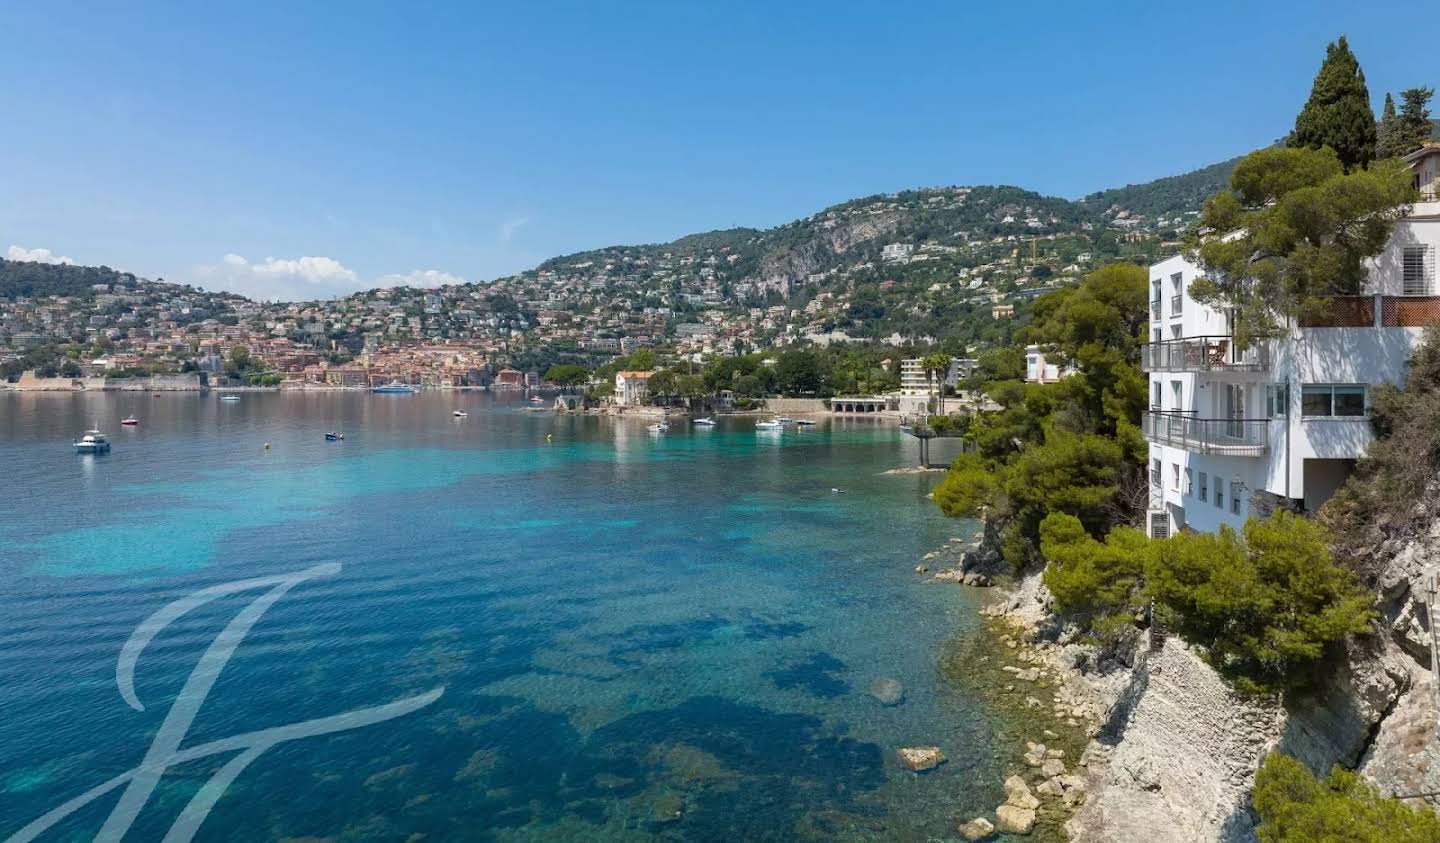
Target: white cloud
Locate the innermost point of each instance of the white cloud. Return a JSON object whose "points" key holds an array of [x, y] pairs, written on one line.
{"points": [[281, 279], [510, 227], [20, 253], [419, 278], [304, 278]]}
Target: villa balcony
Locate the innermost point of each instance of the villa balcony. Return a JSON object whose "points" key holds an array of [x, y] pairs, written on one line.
{"points": [[1222, 437], [1204, 354]]}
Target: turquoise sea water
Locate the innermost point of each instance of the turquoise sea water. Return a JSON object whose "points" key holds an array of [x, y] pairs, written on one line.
{"points": [[624, 625]]}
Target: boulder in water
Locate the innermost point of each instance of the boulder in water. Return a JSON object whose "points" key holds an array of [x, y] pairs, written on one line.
{"points": [[977, 829], [921, 758], [888, 691]]}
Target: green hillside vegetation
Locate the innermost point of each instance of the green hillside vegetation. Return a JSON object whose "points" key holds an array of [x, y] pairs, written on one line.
{"points": [[23, 278], [1166, 197]]}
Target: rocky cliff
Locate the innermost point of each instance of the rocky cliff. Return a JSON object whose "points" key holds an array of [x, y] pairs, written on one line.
{"points": [[1176, 757]]}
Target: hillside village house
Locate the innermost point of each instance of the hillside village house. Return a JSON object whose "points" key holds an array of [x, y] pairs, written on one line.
{"points": [[1232, 430], [1040, 370], [632, 389]]}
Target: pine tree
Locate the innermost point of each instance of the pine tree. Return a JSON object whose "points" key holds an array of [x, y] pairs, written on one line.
{"points": [[1413, 127], [1385, 133], [1338, 113]]}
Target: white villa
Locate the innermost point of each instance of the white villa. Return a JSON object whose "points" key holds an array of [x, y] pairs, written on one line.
{"points": [[632, 389], [1283, 421]]}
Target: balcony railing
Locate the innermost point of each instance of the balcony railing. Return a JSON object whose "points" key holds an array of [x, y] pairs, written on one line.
{"points": [[1225, 437], [1204, 354]]}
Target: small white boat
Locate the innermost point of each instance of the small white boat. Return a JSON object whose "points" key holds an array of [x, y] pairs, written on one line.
{"points": [[784, 420], [705, 422], [460, 414], [229, 398], [93, 442], [768, 425], [130, 421], [659, 427], [805, 422]]}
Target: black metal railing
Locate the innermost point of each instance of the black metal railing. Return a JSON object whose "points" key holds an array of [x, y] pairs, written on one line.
{"points": [[1204, 354], [1236, 437]]}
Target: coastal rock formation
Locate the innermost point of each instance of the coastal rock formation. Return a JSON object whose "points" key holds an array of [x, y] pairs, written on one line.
{"points": [[888, 691], [977, 829], [921, 758], [1013, 820]]}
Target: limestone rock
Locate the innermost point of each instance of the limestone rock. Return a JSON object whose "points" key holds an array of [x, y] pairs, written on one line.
{"points": [[1013, 820], [1053, 767], [1018, 795], [977, 829], [888, 691], [921, 758]]}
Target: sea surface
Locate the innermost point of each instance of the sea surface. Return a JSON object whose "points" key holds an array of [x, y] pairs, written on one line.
{"points": [[636, 637]]}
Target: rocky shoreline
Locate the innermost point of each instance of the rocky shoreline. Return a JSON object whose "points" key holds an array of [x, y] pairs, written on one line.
{"points": [[1167, 751]]}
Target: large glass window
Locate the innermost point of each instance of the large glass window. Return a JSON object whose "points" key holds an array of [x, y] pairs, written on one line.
{"points": [[1323, 399]]}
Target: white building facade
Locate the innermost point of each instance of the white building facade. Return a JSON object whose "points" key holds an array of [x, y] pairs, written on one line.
{"points": [[1233, 432]]}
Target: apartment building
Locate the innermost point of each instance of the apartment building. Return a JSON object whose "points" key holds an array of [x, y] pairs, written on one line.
{"points": [[914, 380], [1235, 431]]}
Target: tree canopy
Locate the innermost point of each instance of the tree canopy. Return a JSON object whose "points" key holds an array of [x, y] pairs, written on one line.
{"points": [[1295, 807], [1071, 446], [1293, 228], [1337, 115]]}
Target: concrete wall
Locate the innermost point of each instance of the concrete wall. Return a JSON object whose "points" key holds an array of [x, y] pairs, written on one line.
{"points": [[795, 405]]}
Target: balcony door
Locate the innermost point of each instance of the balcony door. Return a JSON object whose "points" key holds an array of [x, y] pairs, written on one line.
{"points": [[1234, 410]]}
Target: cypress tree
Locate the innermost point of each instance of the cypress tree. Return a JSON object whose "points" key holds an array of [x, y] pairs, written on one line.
{"points": [[1338, 113], [1413, 127], [1385, 146]]}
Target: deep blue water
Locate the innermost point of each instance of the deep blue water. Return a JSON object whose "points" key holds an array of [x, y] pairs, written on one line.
{"points": [[623, 624]]}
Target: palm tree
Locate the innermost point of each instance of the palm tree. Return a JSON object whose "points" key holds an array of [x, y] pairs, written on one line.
{"points": [[937, 367]]}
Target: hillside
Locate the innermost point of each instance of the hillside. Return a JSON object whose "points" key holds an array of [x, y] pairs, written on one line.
{"points": [[1172, 196]]}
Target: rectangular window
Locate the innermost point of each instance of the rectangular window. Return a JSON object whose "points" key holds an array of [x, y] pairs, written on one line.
{"points": [[1175, 332], [1155, 395], [1204, 486], [1277, 400], [1219, 495], [1350, 400], [1234, 497], [1155, 473], [1323, 399], [1189, 482], [1175, 476], [1415, 279], [1177, 297], [1177, 396]]}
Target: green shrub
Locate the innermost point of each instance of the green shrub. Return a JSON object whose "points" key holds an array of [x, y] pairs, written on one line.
{"points": [[1091, 579], [1295, 807], [1267, 606]]}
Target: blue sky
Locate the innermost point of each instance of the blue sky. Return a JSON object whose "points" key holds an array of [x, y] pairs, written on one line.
{"points": [[302, 149]]}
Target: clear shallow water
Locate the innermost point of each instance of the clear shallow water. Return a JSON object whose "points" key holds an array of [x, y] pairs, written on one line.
{"points": [[623, 624]]}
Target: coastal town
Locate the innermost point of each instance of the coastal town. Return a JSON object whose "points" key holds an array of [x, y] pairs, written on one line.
{"points": [[719, 295]]}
